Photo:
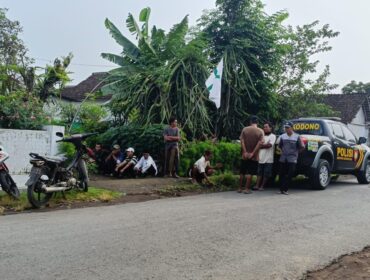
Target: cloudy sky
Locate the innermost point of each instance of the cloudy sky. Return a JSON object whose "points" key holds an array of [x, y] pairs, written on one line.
{"points": [[55, 28]]}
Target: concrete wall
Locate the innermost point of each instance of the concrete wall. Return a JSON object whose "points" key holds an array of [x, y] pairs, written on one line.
{"points": [[358, 125], [19, 143]]}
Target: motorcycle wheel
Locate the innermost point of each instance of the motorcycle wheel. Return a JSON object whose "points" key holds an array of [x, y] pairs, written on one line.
{"points": [[9, 185], [81, 173], [36, 197]]}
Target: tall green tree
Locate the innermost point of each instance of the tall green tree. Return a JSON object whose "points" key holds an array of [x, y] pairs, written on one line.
{"points": [[161, 75], [300, 87], [23, 90], [13, 54], [240, 32], [269, 67], [16, 72], [356, 87]]}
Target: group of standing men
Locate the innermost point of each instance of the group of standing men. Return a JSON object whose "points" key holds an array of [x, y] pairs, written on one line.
{"points": [[258, 153]]}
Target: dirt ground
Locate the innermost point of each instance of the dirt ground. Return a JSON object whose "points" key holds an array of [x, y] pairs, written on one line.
{"points": [[354, 266], [135, 186]]}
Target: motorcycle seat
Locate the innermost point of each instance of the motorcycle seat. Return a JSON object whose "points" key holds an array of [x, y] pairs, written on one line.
{"points": [[56, 159]]}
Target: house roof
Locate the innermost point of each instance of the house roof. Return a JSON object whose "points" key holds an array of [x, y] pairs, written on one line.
{"points": [[92, 83], [348, 105]]}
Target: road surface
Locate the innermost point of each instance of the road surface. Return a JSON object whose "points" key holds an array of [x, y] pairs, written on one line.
{"points": [[215, 236]]}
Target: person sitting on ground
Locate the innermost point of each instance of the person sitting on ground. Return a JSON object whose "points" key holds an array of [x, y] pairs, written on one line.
{"points": [[146, 166], [99, 154], [202, 169], [126, 167], [114, 158]]}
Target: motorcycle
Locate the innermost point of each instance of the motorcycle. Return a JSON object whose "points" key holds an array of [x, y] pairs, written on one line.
{"points": [[49, 174], [6, 181]]}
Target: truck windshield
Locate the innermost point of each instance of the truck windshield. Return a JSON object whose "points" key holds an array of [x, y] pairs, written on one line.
{"points": [[308, 127]]}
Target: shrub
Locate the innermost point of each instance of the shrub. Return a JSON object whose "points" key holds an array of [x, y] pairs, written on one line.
{"points": [[19, 110], [89, 118], [135, 136], [139, 138], [226, 179], [224, 152]]}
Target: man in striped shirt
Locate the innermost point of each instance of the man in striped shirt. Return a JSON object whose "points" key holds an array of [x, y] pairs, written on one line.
{"points": [[126, 168]]}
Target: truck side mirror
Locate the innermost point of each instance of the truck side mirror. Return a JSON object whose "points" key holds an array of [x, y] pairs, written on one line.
{"points": [[59, 134], [362, 140]]}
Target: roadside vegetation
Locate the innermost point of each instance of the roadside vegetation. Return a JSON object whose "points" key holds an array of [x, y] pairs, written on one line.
{"points": [[8, 204]]}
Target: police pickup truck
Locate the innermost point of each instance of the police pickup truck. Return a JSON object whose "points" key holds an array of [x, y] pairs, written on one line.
{"points": [[331, 148]]}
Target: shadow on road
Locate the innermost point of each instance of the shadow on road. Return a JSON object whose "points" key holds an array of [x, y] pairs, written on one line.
{"points": [[302, 186]]}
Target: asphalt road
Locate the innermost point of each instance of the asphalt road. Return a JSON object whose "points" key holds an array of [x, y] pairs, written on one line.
{"points": [[216, 236]]}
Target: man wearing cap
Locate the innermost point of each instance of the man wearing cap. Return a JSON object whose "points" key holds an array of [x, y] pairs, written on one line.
{"points": [[250, 138], [114, 158], [126, 168], [291, 145]]}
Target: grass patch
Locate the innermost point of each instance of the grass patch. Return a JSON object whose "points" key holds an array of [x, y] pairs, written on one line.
{"points": [[179, 188], [225, 182], [8, 203], [94, 194], [74, 196], [221, 183]]}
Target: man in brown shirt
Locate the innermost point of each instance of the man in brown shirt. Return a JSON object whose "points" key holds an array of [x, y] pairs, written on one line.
{"points": [[249, 139]]}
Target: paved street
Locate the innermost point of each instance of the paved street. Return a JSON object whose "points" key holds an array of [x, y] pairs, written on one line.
{"points": [[216, 236]]}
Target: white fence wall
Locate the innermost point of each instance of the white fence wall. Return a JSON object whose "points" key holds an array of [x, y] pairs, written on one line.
{"points": [[19, 143]]}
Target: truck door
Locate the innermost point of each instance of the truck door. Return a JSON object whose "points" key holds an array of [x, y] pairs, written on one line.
{"points": [[343, 153], [351, 142]]}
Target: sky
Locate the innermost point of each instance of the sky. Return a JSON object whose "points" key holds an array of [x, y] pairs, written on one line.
{"points": [[54, 28]]}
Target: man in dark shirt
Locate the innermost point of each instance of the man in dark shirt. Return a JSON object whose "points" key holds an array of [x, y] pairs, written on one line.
{"points": [[249, 141], [291, 145], [171, 137], [99, 154]]}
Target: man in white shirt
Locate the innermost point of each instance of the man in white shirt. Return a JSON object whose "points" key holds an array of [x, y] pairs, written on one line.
{"points": [[202, 169], [146, 166], [266, 157]]}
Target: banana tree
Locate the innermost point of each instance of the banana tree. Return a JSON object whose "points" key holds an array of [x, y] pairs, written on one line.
{"points": [[162, 75]]}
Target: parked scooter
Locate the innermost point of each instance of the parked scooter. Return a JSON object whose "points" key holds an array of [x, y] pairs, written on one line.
{"points": [[6, 181], [49, 174]]}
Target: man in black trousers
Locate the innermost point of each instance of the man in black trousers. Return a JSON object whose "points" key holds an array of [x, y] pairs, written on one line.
{"points": [[291, 145]]}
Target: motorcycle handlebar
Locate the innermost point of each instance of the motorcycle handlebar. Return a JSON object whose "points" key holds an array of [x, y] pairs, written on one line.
{"points": [[76, 136]]}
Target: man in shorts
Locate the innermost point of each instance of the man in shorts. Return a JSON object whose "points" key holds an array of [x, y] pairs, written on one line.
{"points": [[250, 138], [266, 157]]}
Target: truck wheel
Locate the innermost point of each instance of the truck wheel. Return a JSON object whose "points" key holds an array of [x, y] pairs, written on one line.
{"points": [[321, 176], [363, 176]]}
